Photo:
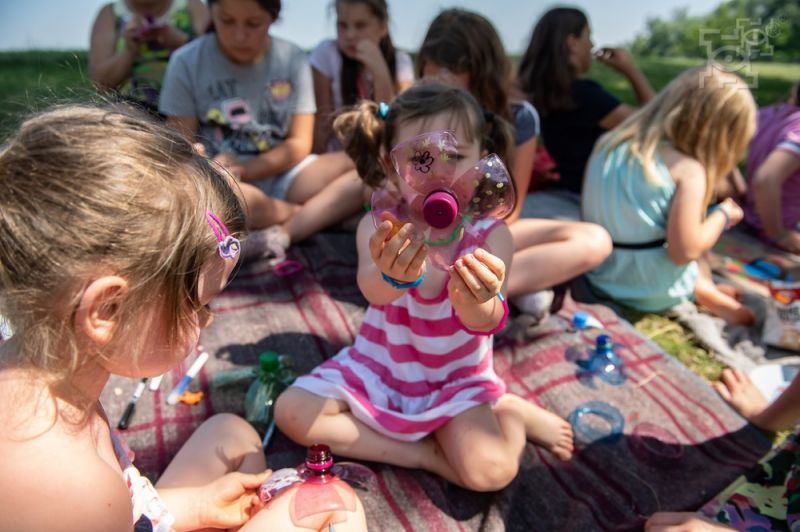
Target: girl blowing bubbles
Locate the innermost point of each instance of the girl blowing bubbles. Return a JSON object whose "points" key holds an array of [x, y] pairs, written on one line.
{"points": [[114, 237], [417, 389]]}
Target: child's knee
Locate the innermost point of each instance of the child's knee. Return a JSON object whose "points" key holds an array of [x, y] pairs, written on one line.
{"points": [[232, 427], [292, 416], [596, 245], [489, 471]]}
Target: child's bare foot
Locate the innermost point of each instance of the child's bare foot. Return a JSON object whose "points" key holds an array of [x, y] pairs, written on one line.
{"points": [[544, 428], [720, 303], [738, 390], [737, 316]]}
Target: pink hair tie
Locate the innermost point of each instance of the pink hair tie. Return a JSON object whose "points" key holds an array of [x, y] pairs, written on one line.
{"points": [[229, 245]]}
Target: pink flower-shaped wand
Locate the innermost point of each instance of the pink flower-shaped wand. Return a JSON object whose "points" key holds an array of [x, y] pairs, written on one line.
{"points": [[443, 207]]}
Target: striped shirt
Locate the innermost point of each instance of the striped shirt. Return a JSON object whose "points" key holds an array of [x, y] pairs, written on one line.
{"points": [[412, 368]]}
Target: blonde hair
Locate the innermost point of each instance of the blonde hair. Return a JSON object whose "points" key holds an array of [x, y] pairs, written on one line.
{"points": [[88, 191], [705, 113]]}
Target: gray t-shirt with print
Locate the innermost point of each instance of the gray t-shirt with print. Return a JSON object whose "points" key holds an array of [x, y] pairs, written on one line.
{"points": [[242, 109]]}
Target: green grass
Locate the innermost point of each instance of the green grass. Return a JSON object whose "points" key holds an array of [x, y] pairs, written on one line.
{"points": [[30, 81], [772, 85], [678, 341]]}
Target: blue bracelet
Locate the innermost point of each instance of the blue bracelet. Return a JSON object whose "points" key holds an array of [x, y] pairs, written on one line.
{"points": [[397, 284], [718, 207]]}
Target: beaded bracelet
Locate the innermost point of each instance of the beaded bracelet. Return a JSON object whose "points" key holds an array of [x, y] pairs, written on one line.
{"points": [[400, 285]]}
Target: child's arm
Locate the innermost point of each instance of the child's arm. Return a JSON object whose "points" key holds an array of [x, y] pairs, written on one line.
{"points": [[56, 483], [107, 67], [370, 55], [476, 279], [767, 190], [524, 155], [322, 122], [689, 232], [397, 257], [285, 155], [227, 502]]}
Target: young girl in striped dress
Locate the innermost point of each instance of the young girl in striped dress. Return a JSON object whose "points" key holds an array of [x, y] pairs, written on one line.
{"points": [[417, 388]]}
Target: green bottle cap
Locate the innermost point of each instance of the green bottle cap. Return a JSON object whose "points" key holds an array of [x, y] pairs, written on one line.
{"points": [[268, 361]]}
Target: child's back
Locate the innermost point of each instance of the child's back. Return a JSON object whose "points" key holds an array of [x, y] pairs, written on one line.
{"points": [[634, 210]]}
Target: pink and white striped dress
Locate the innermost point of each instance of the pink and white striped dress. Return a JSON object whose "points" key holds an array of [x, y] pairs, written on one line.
{"points": [[412, 368]]}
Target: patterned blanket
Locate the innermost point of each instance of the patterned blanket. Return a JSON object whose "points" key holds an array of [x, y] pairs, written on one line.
{"points": [[679, 444]]}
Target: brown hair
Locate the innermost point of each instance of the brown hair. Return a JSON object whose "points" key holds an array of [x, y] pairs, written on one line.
{"points": [[273, 7], [545, 72], [466, 42], [352, 69], [363, 133], [705, 113], [88, 191]]}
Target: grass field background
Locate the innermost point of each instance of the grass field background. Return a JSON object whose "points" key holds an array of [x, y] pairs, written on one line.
{"points": [[31, 81]]}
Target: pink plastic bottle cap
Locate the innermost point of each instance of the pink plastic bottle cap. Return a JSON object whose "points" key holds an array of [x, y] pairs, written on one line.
{"points": [[318, 458], [440, 209]]}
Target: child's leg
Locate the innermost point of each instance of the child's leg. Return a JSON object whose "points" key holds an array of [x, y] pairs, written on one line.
{"points": [[555, 250], [340, 199], [312, 179], [307, 419], [277, 516], [542, 427], [224, 443], [484, 444], [718, 302], [261, 210]]}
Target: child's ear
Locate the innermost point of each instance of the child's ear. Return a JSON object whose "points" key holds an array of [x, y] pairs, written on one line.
{"points": [[484, 153], [99, 311]]}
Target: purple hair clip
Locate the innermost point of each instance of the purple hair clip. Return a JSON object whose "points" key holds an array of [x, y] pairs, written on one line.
{"points": [[229, 245]]}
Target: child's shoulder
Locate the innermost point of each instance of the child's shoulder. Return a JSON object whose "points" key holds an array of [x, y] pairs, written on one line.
{"points": [[47, 464], [680, 165]]}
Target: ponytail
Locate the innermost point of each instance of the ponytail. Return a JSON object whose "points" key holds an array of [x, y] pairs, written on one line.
{"points": [[361, 133]]}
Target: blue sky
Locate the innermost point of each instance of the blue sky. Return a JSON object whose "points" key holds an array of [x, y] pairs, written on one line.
{"points": [[65, 24]]}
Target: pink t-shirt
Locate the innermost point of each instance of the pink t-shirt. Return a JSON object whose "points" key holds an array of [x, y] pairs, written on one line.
{"points": [[778, 129]]}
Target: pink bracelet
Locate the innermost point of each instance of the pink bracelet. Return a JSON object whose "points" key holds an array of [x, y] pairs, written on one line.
{"points": [[499, 326]]}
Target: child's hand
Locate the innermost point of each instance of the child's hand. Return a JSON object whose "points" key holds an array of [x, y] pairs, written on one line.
{"points": [[231, 163], [732, 209], [790, 241], [475, 278], [165, 35], [131, 32], [231, 500], [368, 53], [617, 58], [395, 254]]}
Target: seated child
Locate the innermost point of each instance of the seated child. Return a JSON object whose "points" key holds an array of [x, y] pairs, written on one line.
{"points": [[417, 389], [115, 235], [649, 183], [765, 498], [132, 41], [360, 63], [773, 171]]}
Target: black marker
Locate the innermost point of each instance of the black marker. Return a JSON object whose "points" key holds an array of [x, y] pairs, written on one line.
{"points": [[128, 413]]}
